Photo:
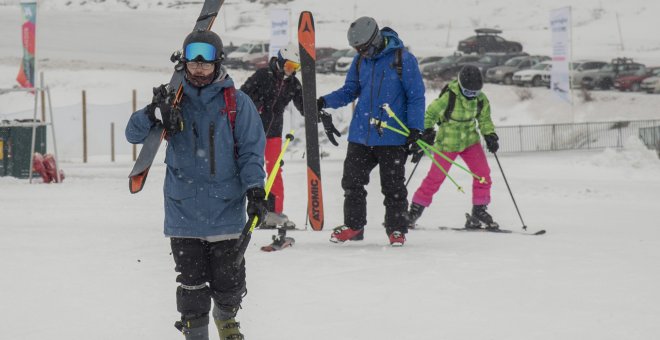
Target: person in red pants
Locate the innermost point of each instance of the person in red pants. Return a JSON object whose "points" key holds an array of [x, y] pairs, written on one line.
{"points": [[272, 88]]}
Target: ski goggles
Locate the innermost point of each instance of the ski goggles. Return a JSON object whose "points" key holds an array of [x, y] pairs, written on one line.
{"points": [[470, 93], [200, 51], [291, 66], [366, 50]]}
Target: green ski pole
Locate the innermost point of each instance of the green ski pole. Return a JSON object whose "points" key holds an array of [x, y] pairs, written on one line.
{"points": [[241, 243], [392, 115], [426, 151]]}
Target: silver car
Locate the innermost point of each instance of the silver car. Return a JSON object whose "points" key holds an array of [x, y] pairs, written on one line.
{"points": [[504, 73], [584, 69]]}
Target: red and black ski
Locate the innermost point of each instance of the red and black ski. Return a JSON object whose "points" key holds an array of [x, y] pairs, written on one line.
{"points": [[138, 175], [306, 43]]}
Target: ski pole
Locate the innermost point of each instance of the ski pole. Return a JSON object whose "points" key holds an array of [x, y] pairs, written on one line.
{"points": [[391, 114], [424, 148], [412, 173], [423, 144], [435, 161], [524, 226], [482, 180], [242, 242]]}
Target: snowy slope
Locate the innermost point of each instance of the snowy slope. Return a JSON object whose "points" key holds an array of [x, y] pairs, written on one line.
{"points": [[92, 264]]}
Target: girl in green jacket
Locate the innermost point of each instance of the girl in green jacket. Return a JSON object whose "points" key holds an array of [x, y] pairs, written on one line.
{"points": [[459, 111]]}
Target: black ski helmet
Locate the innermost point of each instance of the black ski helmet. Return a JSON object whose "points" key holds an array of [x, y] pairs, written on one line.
{"points": [[204, 36], [363, 33], [470, 78]]}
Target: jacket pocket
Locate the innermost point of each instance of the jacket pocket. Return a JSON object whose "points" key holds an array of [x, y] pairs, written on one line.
{"points": [[228, 190], [180, 190]]}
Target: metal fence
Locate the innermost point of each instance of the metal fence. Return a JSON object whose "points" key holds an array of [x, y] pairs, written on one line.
{"points": [[650, 136], [552, 137]]}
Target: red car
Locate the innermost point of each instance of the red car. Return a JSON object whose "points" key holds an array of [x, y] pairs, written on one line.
{"points": [[632, 82]]}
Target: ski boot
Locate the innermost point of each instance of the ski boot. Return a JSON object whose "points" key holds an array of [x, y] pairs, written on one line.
{"points": [[229, 329], [397, 238], [344, 233], [280, 241], [273, 220], [414, 214], [194, 329], [480, 217]]}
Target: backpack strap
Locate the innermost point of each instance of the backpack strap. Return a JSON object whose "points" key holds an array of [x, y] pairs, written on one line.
{"points": [[230, 111]]}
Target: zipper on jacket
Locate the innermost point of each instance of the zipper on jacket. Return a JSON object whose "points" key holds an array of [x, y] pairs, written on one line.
{"points": [[212, 147], [371, 103], [272, 106]]}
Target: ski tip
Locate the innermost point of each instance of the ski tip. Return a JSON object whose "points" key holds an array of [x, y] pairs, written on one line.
{"points": [[540, 232]]}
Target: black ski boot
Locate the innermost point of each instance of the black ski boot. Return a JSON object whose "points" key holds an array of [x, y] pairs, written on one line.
{"points": [[414, 214], [480, 216]]}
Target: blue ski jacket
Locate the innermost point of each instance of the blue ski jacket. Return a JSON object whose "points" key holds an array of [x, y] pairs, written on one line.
{"points": [[209, 167], [376, 84]]}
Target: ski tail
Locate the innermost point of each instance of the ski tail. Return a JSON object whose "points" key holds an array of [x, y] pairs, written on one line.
{"points": [[307, 46], [315, 200]]}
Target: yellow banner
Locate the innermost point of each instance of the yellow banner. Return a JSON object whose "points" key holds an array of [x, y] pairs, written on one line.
{"points": [[2, 148]]}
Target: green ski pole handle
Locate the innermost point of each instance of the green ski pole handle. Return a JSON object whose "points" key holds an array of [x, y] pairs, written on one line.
{"points": [[391, 114], [384, 124]]}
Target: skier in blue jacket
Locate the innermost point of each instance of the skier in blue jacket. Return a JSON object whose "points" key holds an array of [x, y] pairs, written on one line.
{"points": [[213, 164], [382, 72]]}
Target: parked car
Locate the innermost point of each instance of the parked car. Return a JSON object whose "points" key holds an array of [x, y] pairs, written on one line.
{"points": [[344, 62], [604, 77], [533, 76], [651, 85], [488, 40], [584, 69], [492, 59], [327, 64], [504, 73], [245, 53], [633, 82], [427, 60], [447, 67]]}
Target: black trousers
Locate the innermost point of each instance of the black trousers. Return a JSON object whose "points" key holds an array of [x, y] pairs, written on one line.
{"points": [[360, 160], [207, 272]]}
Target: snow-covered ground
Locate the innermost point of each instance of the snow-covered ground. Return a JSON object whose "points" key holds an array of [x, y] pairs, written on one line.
{"points": [[87, 260]]}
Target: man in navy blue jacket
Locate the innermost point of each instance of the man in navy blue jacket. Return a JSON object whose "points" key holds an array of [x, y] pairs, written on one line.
{"points": [[383, 72], [213, 164]]}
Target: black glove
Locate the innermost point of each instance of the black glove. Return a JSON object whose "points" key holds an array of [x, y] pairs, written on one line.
{"points": [[491, 142], [320, 104], [172, 120], [428, 136], [150, 111], [257, 204], [411, 144], [329, 128]]}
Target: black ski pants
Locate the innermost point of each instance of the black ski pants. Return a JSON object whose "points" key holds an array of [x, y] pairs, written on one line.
{"points": [[207, 272], [360, 160]]}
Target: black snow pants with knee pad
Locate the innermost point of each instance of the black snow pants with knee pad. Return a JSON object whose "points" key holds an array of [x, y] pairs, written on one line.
{"points": [[207, 272]]}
